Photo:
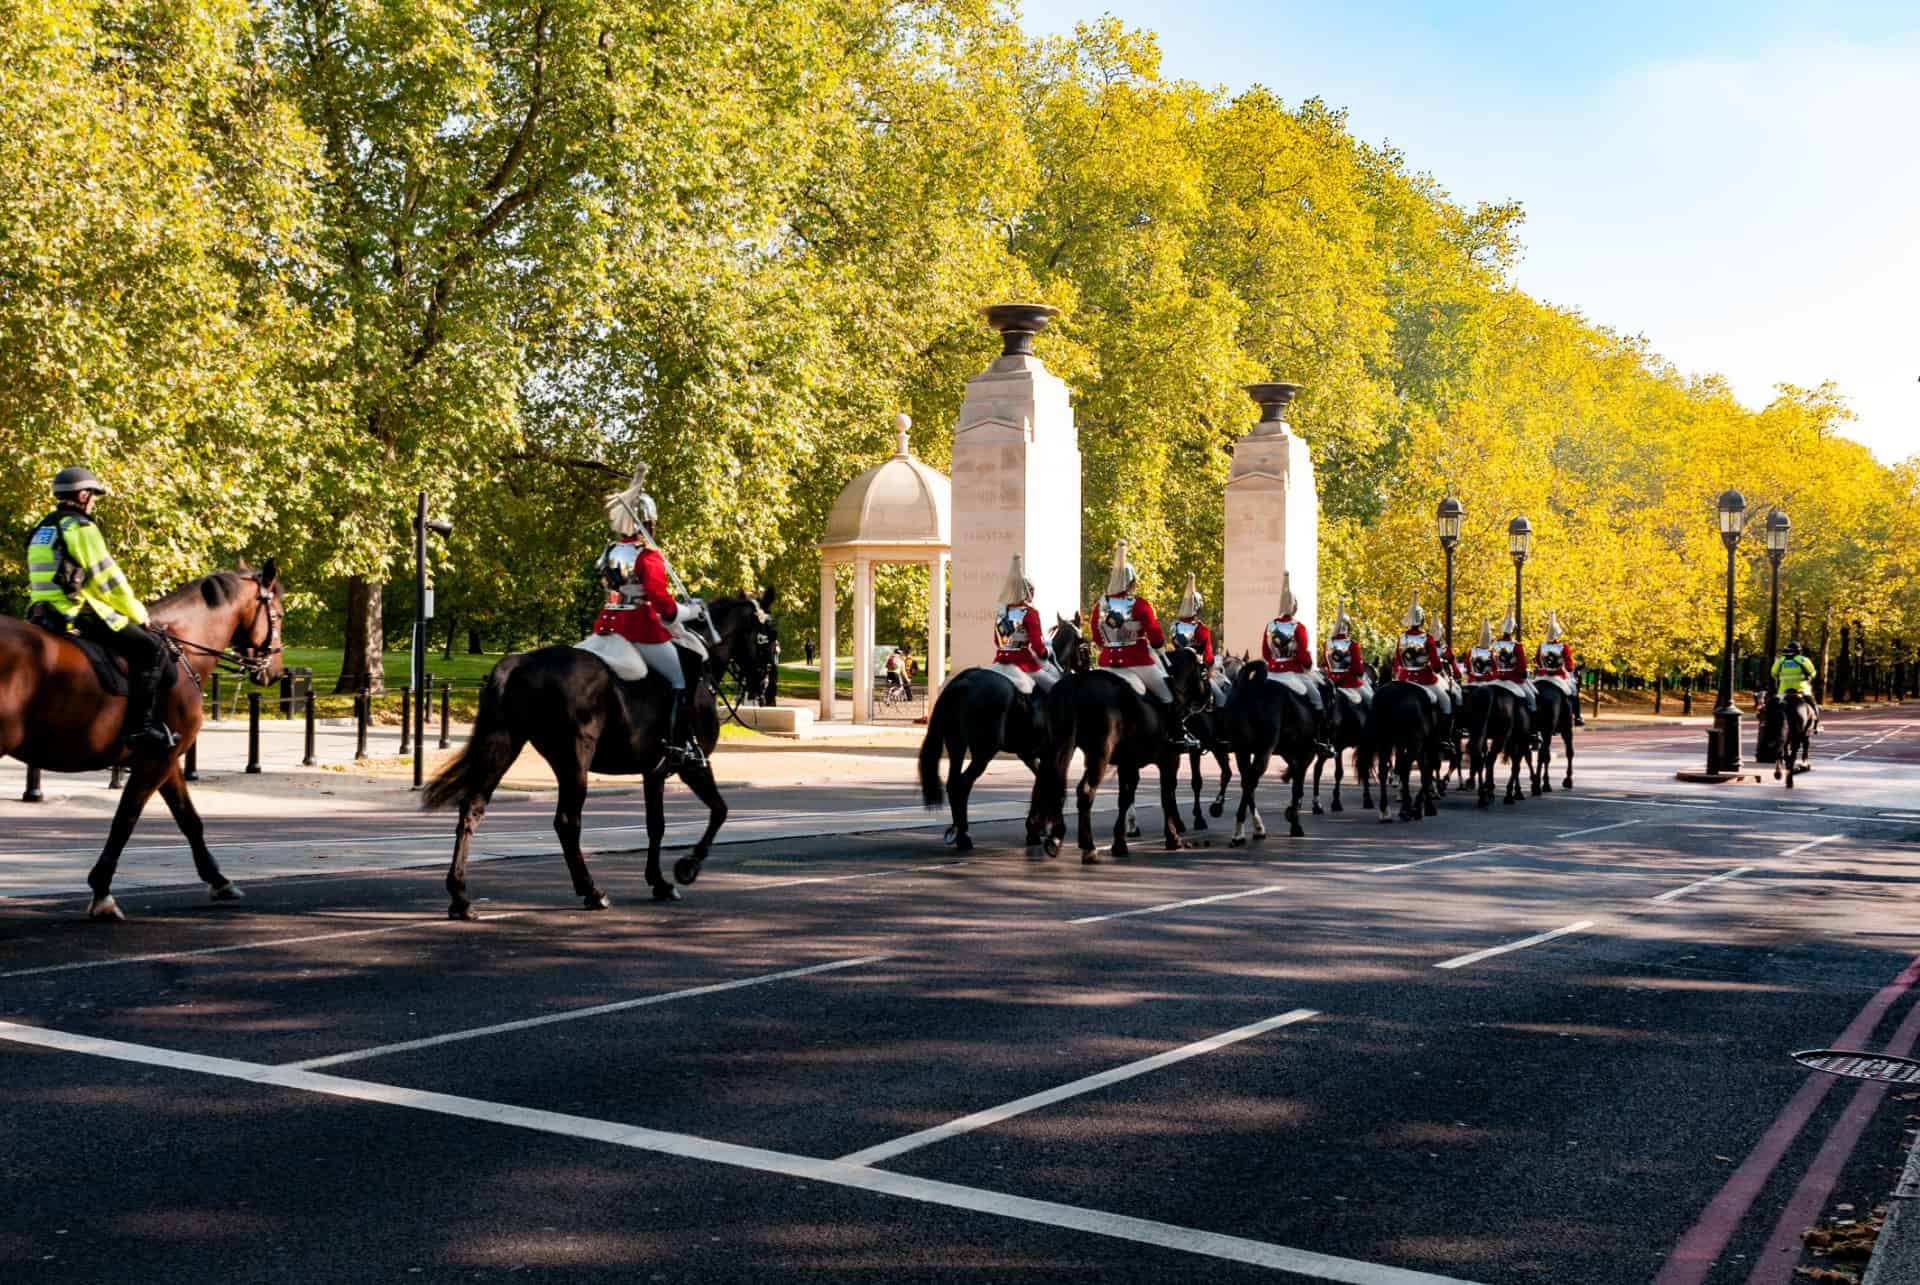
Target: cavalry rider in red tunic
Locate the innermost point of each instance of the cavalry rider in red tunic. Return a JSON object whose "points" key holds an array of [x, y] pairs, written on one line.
{"points": [[1019, 636], [1415, 657], [1480, 657], [1190, 630], [1345, 661], [1555, 664], [1131, 639], [640, 605], [1285, 648], [1510, 662]]}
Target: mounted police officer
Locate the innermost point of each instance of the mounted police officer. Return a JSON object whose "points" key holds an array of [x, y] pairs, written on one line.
{"points": [[74, 584], [641, 606], [1131, 639], [1794, 672]]}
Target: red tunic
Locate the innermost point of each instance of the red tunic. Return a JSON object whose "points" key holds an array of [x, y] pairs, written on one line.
{"points": [[1513, 670], [1426, 675], [1355, 673], [1299, 662], [1549, 664], [642, 622], [1202, 639], [1029, 656], [1141, 650]]}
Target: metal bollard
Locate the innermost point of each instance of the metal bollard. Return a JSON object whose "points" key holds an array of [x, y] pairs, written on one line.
{"points": [[114, 781], [33, 794], [362, 711], [406, 718], [446, 699], [286, 693], [253, 733], [307, 759], [192, 769], [216, 695]]}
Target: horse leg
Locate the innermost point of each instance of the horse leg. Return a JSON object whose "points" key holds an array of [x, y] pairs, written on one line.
{"points": [[133, 799], [174, 790], [1219, 804], [655, 788], [1403, 760], [1129, 782], [959, 789], [566, 824], [1299, 788], [1566, 744], [472, 810], [707, 790], [1543, 770], [1338, 772], [1096, 768], [1170, 803], [1193, 763], [1432, 781], [1319, 765]]}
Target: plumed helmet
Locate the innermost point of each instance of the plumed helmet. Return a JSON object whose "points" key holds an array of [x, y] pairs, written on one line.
{"points": [[1553, 625], [1341, 625], [1486, 633], [1018, 588], [1121, 579], [1416, 614], [1510, 624], [629, 510], [75, 479], [1288, 603], [1191, 601]]}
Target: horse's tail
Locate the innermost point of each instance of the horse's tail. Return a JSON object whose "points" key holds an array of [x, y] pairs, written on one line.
{"points": [[488, 753], [1480, 733], [931, 793]]}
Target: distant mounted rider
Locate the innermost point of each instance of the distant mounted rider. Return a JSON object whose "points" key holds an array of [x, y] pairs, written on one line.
{"points": [[1794, 672], [640, 605], [1510, 662], [1019, 636], [1345, 660], [1553, 662], [1191, 631], [74, 584], [1130, 640], [1288, 653], [1416, 657], [1480, 656]]}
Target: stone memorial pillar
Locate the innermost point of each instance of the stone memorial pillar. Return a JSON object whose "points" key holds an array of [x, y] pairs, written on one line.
{"points": [[1016, 486], [1272, 525]]}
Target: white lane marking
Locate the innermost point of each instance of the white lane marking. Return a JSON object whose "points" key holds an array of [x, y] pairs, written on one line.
{"points": [[1722, 807], [1086, 1084], [574, 1015], [1870, 744], [263, 944], [1470, 852], [1811, 843], [752, 883], [1617, 825], [1735, 873], [1301, 1262], [1900, 816], [1177, 905], [1461, 961]]}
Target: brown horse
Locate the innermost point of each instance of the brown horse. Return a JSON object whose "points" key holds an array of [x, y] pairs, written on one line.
{"points": [[55, 715]]}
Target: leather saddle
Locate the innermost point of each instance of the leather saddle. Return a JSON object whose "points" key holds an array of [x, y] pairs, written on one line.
{"points": [[108, 669]]}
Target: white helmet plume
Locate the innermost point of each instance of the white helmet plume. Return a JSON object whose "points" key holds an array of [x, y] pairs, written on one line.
{"points": [[1511, 624], [1486, 633], [1288, 603], [1416, 614], [1191, 601], [1553, 625], [1018, 588], [1120, 581], [1341, 625], [628, 510]]}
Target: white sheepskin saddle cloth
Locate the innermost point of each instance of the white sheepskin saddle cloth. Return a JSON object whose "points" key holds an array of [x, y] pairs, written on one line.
{"points": [[1562, 681], [622, 657], [1022, 681], [1300, 684], [1358, 695], [1518, 689]]}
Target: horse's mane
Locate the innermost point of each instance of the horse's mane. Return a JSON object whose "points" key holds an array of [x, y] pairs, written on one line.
{"points": [[216, 590]]}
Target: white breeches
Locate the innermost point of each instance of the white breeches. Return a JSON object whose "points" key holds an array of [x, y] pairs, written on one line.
{"points": [[1152, 677], [662, 659]]}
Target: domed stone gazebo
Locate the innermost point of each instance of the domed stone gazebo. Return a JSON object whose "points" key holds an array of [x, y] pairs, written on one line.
{"points": [[898, 511]]}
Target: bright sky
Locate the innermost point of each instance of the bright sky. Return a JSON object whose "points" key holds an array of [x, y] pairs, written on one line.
{"points": [[1738, 180]]}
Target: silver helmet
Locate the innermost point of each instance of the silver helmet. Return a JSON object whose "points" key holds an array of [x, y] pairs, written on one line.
{"points": [[630, 510], [1120, 580]]}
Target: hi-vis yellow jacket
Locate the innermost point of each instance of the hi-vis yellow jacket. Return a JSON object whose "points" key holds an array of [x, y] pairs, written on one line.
{"points": [[69, 569]]}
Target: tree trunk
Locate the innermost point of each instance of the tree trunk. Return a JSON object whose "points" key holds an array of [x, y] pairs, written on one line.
{"points": [[364, 643], [1820, 683], [473, 642], [447, 652], [1659, 691]]}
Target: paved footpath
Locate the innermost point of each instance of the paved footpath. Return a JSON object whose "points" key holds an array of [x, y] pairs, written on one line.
{"points": [[1542, 1043]]}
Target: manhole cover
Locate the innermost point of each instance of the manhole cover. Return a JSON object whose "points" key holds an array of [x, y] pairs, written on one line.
{"points": [[1862, 1066]]}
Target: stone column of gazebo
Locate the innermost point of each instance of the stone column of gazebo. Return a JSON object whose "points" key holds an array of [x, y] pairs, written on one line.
{"points": [[898, 511]]}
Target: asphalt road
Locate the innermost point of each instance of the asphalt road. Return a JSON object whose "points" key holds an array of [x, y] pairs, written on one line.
{"points": [[1545, 1043]]}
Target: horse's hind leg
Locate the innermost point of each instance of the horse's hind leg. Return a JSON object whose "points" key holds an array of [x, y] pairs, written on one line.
{"points": [[1566, 744], [1219, 804], [707, 790], [654, 790], [1129, 788], [566, 824], [174, 791], [133, 799], [959, 790], [1193, 763], [472, 810], [1096, 768], [1319, 766]]}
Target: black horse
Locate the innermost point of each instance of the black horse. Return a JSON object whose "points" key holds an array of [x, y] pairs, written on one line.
{"points": [[1268, 716], [1209, 728], [1553, 716], [1793, 717], [582, 718], [1113, 726], [1405, 732], [1349, 728], [1498, 724], [980, 713]]}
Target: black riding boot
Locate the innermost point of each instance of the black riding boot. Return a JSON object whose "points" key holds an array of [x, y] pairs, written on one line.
{"points": [[683, 751], [1179, 738], [149, 734]]}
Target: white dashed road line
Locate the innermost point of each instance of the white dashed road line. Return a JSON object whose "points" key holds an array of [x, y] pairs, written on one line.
{"points": [[1617, 825], [1811, 843], [1086, 1084], [1046, 1213], [1177, 905], [574, 1015], [1470, 852], [1461, 961], [1702, 883]]}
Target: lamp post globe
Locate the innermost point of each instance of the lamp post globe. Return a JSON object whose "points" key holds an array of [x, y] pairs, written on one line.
{"points": [[1447, 520], [1519, 544]]}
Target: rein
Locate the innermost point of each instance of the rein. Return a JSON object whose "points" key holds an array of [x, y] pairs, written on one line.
{"points": [[253, 661]]}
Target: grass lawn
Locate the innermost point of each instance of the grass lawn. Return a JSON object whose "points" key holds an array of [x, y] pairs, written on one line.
{"points": [[464, 670]]}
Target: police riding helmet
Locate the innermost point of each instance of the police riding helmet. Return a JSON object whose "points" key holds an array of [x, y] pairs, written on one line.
{"points": [[69, 482]]}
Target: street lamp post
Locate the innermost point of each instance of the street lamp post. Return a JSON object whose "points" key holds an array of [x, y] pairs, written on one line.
{"points": [[1450, 514], [1519, 544], [1767, 747], [1723, 744]]}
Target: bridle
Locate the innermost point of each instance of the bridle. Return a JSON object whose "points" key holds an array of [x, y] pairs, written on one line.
{"points": [[254, 659]]}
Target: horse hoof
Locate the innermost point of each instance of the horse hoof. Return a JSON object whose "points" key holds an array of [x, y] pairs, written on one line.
{"points": [[1337, 807], [963, 843], [1297, 832], [1216, 809], [228, 891], [1199, 822], [951, 834], [661, 892], [1089, 858], [462, 910], [686, 870], [1051, 847], [1567, 784], [105, 908], [1122, 850], [1177, 845], [1318, 810], [1133, 828], [1237, 841], [1432, 811]]}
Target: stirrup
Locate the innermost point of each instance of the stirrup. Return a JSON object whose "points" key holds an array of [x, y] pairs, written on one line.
{"points": [[154, 738], [681, 757]]}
